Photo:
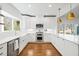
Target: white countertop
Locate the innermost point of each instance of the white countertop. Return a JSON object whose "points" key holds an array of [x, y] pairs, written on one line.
{"points": [[6, 39], [72, 38], [11, 37]]}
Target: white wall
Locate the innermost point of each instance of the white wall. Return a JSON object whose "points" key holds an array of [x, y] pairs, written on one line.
{"points": [[50, 23], [27, 23], [30, 23]]}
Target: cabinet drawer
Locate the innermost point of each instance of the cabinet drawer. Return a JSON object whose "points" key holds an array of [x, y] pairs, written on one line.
{"points": [[3, 53], [3, 49], [3, 45]]}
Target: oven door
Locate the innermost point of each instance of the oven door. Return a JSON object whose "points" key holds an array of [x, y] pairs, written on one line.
{"points": [[39, 36]]}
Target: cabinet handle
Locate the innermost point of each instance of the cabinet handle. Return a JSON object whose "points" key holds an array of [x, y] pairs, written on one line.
{"points": [[1, 47], [1, 53]]}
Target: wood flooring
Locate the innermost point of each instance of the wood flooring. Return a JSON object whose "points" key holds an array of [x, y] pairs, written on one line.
{"points": [[39, 49]]}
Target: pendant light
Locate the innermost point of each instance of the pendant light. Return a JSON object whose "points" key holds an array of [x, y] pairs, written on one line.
{"points": [[59, 20], [71, 14]]}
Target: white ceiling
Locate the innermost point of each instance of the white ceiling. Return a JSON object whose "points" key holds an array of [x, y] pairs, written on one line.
{"points": [[39, 9]]}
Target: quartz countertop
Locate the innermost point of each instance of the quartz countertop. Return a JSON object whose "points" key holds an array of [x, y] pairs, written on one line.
{"points": [[12, 37], [72, 38]]}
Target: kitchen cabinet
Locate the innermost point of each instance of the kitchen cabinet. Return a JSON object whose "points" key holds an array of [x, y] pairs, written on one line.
{"points": [[60, 46], [31, 36], [71, 49], [54, 40], [50, 38], [10, 48], [64, 46], [3, 49], [22, 42], [25, 39], [57, 42], [47, 37]]}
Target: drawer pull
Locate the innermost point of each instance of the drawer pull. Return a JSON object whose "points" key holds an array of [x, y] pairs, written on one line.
{"points": [[1, 53], [1, 47]]}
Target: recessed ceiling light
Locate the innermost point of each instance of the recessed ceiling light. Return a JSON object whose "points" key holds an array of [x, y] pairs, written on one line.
{"points": [[50, 5], [29, 5]]}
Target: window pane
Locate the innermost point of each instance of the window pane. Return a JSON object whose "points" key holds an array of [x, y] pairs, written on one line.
{"points": [[8, 24], [1, 23], [16, 24]]}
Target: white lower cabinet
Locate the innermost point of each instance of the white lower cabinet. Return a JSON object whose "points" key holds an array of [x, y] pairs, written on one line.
{"points": [[31, 37], [3, 49], [60, 45], [65, 47], [47, 37], [22, 43], [25, 39], [71, 49]]}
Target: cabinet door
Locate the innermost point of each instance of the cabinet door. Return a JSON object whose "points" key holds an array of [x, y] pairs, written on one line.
{"points": [[24, 40], [47, 37], [60, 45], [30, 37], [71, 49], [3, 49], [21, 43], [54, 40]]}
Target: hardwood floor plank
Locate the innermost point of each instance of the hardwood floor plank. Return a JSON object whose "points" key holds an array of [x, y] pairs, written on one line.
{"points": [[39, 49]]}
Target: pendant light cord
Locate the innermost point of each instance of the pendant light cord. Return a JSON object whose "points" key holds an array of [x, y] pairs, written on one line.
{"points": [[70, 6], [59, 11]]}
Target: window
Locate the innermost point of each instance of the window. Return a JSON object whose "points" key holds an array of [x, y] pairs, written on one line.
{"points": [[1, 23], [16, 24], [8, 24]]}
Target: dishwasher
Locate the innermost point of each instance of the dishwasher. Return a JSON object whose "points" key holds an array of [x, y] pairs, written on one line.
{"points": [[13, 47]]}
